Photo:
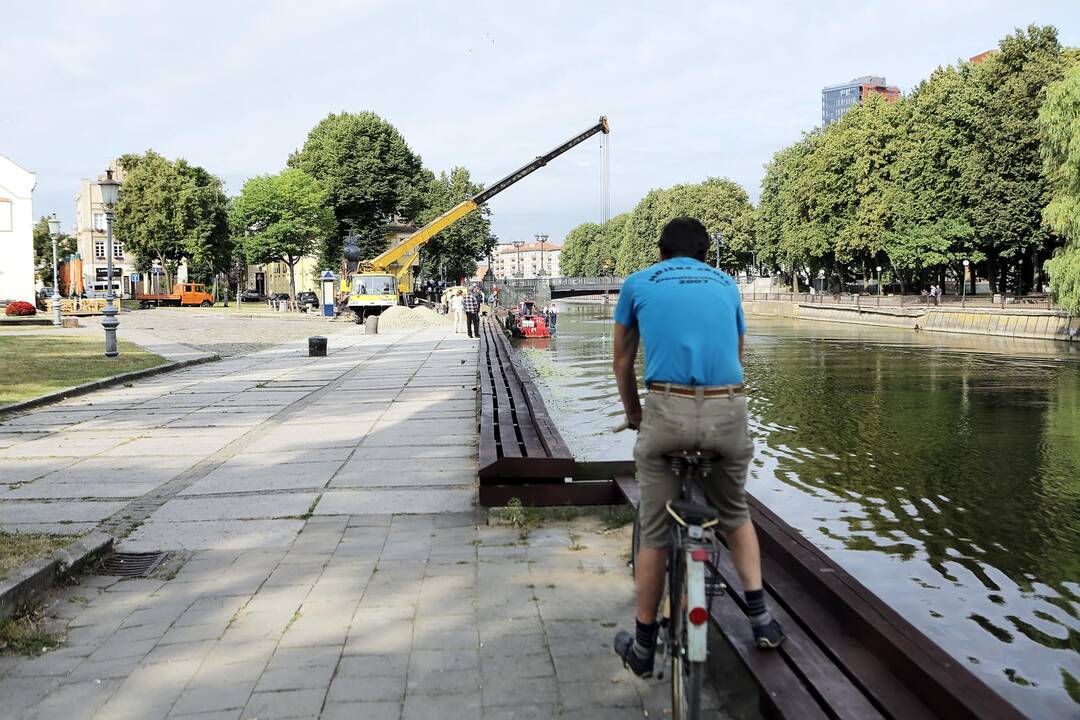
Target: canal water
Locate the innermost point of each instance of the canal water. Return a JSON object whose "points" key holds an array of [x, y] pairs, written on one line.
{"points": [[941, 471]]}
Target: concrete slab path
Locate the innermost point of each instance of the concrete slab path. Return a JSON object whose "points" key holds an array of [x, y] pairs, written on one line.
{"points": [[327, 559]]}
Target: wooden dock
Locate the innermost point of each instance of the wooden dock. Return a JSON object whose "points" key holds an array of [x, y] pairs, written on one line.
{"points": [[848, 655]]}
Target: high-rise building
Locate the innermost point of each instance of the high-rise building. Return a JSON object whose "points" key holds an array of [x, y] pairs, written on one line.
{"points": [[837, 99], [529, 260]]}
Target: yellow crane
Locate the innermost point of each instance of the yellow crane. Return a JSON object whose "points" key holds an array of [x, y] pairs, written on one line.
{"points": [[386, 280]]}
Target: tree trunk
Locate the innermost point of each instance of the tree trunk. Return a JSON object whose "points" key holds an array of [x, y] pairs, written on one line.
{"points": [[292, 278]]}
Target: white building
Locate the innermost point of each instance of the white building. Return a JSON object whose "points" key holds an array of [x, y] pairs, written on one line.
{"points": [[16, 232], [531, 260]]}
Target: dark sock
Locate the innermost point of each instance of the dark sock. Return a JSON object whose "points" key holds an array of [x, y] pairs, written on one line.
{"points": [[645, 639], [755, 608]]}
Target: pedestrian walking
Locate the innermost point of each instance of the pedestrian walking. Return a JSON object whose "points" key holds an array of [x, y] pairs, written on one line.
{"points": [[457, 306], [471, 305]]}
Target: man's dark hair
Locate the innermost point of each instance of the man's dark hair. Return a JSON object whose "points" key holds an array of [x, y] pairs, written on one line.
{"points": [[684, 237]]}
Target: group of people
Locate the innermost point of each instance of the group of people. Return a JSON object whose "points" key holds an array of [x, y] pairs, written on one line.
{"points": [[431, 290], [933, 295], [465, 307]]}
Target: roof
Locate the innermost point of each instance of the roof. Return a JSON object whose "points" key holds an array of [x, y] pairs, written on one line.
{"points": [[529, 247]]}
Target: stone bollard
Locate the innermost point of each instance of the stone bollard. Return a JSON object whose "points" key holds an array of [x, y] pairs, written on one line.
{"points": [[371, 325], [316, 346]]}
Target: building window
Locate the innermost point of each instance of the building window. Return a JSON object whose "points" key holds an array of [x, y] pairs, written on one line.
{"points": [[99, 249], [5, 216], [117, 250], [99, 224]]}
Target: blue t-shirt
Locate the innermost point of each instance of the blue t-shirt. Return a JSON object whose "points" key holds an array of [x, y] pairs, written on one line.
{"points": [[690, 318]]}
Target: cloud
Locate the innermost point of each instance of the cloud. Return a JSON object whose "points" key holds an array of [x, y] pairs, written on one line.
{"points": [[692, 89]]}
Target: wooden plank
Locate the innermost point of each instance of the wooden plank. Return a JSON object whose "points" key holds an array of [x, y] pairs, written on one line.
{"points": [[504, 420], [910, 659], [551, 494], [781, 686], [826, 681], [531, 468], [510, 374], [628, 486]]}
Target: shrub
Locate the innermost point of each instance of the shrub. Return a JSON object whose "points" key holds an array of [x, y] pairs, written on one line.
{"points": [[20, 308]]}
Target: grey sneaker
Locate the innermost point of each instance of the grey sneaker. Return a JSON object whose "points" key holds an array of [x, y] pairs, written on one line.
{"points": [[770, 635]]}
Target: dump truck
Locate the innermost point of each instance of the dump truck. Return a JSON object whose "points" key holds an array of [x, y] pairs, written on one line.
{"points": [[182, 294]]}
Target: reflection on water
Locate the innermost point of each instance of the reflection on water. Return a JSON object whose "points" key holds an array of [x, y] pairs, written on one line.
{"points": [[942, 471]]}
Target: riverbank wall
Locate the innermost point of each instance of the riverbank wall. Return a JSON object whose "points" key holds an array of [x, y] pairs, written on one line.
{"points": [[1016, 323]]}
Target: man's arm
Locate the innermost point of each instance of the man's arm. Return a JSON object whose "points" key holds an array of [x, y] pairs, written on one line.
{"points": [[626, 347]]}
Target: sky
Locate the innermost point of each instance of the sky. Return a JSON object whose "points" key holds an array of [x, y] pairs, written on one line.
{"points": [[691, 89]]}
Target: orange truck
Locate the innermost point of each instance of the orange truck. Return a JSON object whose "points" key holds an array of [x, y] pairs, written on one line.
{"points": [[182, 294]]}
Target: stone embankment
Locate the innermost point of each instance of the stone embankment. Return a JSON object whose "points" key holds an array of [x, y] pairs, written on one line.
{"points": [[1010, 322]]}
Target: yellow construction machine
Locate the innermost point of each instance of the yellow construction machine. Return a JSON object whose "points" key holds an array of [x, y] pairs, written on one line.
{"points": [[386, 280]]}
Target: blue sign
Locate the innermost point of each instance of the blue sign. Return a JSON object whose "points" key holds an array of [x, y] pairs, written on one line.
{"points": [[135, 277]]}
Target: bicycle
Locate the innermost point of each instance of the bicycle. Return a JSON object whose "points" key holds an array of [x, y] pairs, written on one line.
{"points": [[683, 635]]}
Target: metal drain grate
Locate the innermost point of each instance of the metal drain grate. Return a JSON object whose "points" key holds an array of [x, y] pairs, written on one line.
{"points": [[131, 564]]}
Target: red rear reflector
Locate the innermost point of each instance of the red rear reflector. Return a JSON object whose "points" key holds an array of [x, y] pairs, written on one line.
{"points": [[699, 555], [698, 616]]}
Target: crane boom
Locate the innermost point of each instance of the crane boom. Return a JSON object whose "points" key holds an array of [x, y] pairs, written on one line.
{"points": [[411, 244]]}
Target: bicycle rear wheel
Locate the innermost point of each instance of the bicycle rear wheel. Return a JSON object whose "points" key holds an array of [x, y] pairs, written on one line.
{"points": [[687, 677]]}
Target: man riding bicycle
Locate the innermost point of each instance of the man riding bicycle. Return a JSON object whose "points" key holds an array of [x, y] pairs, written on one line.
{"points": [[690, 318]]}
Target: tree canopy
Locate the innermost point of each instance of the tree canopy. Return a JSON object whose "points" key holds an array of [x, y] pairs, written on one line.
{"points": [[370, 175], [172, 212], [65, 246], [948, 173], [282, 218], [1059, 130], [454, 252]]}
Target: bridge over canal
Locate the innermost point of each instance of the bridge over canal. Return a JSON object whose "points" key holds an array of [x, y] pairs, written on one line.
{"points": [[543, 289]]}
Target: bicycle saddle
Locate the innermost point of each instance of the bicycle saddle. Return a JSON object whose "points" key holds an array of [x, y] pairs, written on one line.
{"points": [[691, 513], [692, 455]]}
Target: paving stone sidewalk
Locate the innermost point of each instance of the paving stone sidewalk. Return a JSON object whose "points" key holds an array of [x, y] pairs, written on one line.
{"points": [[320, 512]]}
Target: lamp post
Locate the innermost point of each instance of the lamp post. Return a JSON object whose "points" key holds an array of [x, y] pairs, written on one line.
{"points": [[517, 246], [964, 281], [542, 239], [717, 238], [879, 281], [54, 233], [109, 191]]}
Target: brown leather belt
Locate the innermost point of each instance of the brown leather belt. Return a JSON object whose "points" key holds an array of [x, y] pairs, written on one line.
{"points": [[694, 391]]}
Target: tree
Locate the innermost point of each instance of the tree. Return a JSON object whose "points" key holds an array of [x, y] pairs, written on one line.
{"points": [[1059, 128], [455, 251], [43, 257], [149, 216], [370, 175], [282, 218], [172, 212], [720, 204], [590, 249], [1003, 181]]}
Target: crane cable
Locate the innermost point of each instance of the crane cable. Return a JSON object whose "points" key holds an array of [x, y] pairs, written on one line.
{"points": [[605, 178]]}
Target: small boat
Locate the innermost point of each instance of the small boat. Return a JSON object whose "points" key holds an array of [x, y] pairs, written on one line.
{"points": [[527, 322]]}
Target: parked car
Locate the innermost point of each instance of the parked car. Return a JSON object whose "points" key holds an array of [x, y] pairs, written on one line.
{"points": [[252, 295], [307, 299], [278, 297]]}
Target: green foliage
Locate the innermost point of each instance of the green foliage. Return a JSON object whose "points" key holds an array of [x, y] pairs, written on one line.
{"points": [[65, 246], [1059, 130], [369, 173], [720, 204], [455, 251], [281, 218], [952, 171], [172, 212], [590, 249]]}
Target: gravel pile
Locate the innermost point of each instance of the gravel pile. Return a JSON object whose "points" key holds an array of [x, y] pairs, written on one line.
{"points": [[399, 317]]}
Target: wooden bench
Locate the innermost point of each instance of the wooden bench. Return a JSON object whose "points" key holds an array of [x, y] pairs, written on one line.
{"points": [[848, 654]]}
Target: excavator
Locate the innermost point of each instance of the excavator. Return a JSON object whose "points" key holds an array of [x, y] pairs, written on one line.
{"points": [[386, 280]]}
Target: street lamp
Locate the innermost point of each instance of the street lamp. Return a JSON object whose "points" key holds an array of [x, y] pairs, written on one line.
{"points": [[542, 239], [879, 281], [717, 238], [110, 189], [517, 245], [964, 282], [54, 233]]}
